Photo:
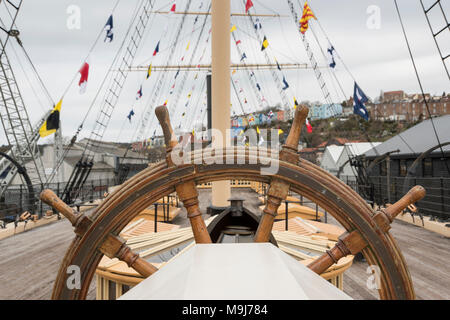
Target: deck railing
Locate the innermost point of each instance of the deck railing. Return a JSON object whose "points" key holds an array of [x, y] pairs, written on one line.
{"points": [[18, 200], [435, 204]]}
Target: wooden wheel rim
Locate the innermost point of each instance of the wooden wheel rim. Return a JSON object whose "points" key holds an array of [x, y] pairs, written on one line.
{"points": [[304, 178]]}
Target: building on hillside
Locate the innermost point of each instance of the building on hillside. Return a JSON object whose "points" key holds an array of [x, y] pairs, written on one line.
{"points": [[398, 106], [393, 96], [325, 111], [259, 118], [430, 167]]}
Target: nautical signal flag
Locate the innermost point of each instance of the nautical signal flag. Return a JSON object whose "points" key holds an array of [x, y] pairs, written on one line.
{"points": [[307, 15], [51, 124], [109, 29], [149, 71], [258, 86], [309, 126], [173, 8], [130, 115], [248, 5], [233, 28], [278, 65], [332, 62], [280, 131], [295, 103], [286, 84], [257, 24], [265, 44], [139, 94], [238, 42], [360, 99], [156, 49], [84, 72]]}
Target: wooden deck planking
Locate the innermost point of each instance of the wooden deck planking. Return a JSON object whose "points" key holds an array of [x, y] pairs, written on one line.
{"points": [[29, 261]]}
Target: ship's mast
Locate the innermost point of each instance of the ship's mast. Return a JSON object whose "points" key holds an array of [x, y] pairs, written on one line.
{"points": [[221, 88]]}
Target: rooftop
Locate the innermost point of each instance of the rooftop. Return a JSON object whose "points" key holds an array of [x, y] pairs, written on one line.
{"points": [[417, 139]]}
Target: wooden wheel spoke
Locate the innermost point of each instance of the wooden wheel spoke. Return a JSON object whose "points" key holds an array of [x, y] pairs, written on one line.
{"points": [[112, 247], [353, 243], [278, 190], [188, 194], [187, 191], [115, 247]]}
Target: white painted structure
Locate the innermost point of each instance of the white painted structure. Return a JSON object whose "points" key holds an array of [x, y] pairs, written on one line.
{"points": [[330, 158], [250, 271]]}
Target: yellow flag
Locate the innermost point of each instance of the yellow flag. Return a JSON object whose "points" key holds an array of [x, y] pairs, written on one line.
{"points": [[280, 131], [52, 123], [149, 71], [233, 28], [189, 44], [265, 44], [295, 103], [234, 71], [257, 130]]}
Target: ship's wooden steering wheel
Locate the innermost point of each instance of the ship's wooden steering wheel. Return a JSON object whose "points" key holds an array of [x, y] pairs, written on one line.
{"points": [[367, 231]]}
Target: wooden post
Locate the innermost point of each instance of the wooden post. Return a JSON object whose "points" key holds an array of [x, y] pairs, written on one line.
{"points": [[220, 65]]}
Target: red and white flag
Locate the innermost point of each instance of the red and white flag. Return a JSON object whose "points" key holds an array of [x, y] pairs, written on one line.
{"points": [[248, 5], [309, 126], [84, 71]]}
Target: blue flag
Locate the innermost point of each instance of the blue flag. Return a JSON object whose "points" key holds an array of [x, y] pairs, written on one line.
{"points": [[257, 86], [156, 49], [360, 99], [286, 85], [244, 56], [130, 115], [109, 29], [332, 62]]}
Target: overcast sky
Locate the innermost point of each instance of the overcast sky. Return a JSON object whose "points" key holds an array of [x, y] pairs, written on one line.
{"points": [[376, 57]]}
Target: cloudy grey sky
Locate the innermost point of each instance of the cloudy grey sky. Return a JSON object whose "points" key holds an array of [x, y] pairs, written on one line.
{"points": [[377, 57]]}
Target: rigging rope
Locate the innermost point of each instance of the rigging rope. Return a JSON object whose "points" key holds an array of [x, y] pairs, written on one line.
{"points": [[420, 85]]}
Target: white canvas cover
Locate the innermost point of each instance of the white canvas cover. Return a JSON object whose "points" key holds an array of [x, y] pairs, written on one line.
{"points": [[252, 271]]}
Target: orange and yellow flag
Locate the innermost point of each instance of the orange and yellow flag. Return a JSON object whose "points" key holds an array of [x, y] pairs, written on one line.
{"points": [[307, 15]]}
